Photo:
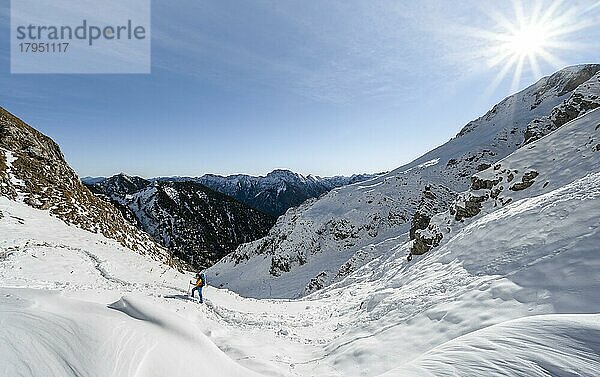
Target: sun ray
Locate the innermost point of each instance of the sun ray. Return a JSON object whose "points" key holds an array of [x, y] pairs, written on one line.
{"points": [[516, 81], [535, 66], [567, 46], [508, 64], [519, 13], [552, 59]]}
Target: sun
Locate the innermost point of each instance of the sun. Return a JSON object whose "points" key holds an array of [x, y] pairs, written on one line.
{"points": [[529, 40], [537, 32]]}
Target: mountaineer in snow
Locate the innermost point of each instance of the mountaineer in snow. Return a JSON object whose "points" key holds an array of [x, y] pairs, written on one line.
{"points": [[200, 282]]}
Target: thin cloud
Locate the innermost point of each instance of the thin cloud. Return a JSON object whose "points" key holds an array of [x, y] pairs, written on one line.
{"points": [[344, 53]]}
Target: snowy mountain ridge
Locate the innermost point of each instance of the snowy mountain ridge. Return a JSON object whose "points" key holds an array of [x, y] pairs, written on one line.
{"points": [[550, 163], [33, 170], [585, 97], [523, 253], [323, 240]]}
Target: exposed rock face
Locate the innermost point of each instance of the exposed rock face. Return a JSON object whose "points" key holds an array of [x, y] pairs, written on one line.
{"points": [[195, 223], [316, 283], [585, 98], [583, 74], [283, 263], [425, 240], [33, 169], [435, 199], [483, 184], [420, 221], [469, 204], [527, 180]]}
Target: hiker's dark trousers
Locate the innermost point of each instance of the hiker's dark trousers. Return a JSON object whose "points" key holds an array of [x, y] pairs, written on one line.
{"points": [[199, 289]]}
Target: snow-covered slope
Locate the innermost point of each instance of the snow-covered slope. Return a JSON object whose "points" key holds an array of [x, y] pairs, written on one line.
{"points": [[536, 253], [551, 163], [511, 290], [74, 303], [323, 240]]}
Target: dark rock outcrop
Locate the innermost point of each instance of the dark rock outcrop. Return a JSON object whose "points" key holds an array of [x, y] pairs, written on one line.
{"points": [[527, 180], [435, 199], [585, 98], [468, 205], [426, 240]]}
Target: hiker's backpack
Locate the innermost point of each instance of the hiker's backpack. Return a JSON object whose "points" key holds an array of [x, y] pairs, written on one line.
{"points": [[203, 277]]}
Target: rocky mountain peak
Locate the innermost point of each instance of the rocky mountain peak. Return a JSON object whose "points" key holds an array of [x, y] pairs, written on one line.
{"points": [[121, 184], [569, 78], [285, 175], [542, 94], [33, 170]]}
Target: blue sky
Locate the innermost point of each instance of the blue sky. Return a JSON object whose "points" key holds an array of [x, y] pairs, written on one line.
{"points": [[320, 87]]}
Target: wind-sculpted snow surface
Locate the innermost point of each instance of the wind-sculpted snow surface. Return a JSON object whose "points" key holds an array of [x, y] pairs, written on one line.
{"points": [[50, 335], [541, 342], [324, 240]]}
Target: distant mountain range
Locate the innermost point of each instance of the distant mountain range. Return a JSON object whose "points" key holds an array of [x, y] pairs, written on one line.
{"points": [[273, 194], [198, 224], [200, 220], [276, 192]]}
